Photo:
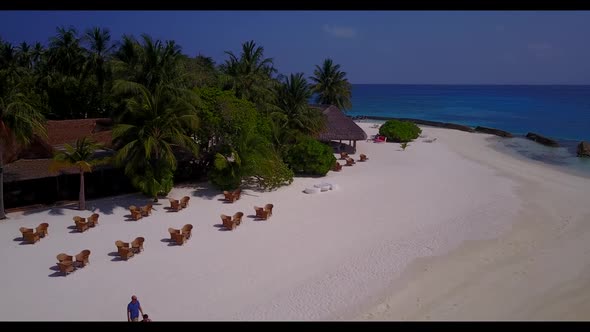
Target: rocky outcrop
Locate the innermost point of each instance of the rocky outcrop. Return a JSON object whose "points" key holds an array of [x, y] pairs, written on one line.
{"points": [[493, 131], [458, 127], [421, 122], [542, 139], [584, 149]]}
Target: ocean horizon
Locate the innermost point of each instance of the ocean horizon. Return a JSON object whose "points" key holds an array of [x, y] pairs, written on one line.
{"points": [[561, 112]]}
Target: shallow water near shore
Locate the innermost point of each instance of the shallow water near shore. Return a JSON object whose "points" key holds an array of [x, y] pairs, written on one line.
{"points": [[563, 157]]}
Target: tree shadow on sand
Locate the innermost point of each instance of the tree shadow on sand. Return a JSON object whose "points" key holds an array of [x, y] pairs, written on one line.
{"points": [[57, 272], [205, 190], [172, 243], [221, 228], [106, 205]]}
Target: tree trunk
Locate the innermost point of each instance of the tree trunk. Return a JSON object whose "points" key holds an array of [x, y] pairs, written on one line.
{"points": [[2, 214], [82, 201]]}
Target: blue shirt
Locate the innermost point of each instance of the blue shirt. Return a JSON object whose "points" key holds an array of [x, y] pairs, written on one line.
{"points": [[133, 308]]}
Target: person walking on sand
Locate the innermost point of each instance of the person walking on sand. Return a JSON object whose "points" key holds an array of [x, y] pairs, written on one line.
{"points": [[133, 309]]}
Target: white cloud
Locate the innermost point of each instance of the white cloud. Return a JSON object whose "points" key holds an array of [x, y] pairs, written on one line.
{"points": [[340, 31]]}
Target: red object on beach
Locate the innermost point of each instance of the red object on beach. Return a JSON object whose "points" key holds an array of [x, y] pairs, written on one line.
{"points": [[380, 139]]}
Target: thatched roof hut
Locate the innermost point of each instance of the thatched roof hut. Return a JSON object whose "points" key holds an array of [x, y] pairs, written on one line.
{"points": [[339, 127], [32, 162]]}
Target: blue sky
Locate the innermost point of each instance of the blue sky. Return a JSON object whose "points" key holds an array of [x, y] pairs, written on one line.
{"points": [[407, 47]]}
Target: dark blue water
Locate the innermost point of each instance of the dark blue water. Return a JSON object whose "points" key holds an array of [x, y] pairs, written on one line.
{"points": [[561, 112]]}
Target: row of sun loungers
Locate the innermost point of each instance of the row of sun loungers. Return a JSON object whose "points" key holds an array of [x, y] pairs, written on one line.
{"points": [[32, 236], [345, 156], [125, 250], [349, 161], [262, 213], [67, 264]]}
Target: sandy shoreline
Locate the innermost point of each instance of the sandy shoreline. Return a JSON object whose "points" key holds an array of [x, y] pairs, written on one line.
{"points": [[495, 231]]}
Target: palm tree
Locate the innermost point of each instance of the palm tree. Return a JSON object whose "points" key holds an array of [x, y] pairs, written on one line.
{"points": [[100, 50], [150, 63], [10, 71], [250, 74], [152, 125], [24, 55], [292, 97], [65, 53], [81, 157], [36, 54], [331, 85], [19, 121]]}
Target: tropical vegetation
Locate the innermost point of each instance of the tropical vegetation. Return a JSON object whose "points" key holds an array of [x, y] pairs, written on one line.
{"points": [[238, 122], [400, 131], [82, 158]]}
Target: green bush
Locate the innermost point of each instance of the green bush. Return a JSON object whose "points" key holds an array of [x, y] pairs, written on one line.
{"points": [[152, 179], [268, 172], [226, 172], [310, 157], [399, 131]]}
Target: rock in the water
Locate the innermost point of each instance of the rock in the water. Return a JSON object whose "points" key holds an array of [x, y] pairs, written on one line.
{"points": [[458, 127], [493, 131], [542, 139], [584, 149]]}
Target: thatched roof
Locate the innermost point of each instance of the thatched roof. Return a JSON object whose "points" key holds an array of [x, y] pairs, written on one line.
{"points": [[339, 126], [35, 159], [30, 169], [68, 131]]}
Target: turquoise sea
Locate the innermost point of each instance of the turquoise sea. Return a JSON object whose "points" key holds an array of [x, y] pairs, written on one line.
{"points": [[561, 112]]}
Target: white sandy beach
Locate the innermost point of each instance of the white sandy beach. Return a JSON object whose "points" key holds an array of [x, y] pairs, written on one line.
{"points": [[449, 230]]}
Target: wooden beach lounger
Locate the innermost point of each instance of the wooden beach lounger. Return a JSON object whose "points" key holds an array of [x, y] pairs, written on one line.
{"points": [[337, 167], [343, 155], [82, 259], [237, 193], [136, 215], [184, 202], [65, 263], [263, 213], [66, 267], [81, 226], [125, 253], [176, 236], [137, 245], [363, 157], [237, 218], [229, 196], [228, 222], [268, 207], [174, 204], [187, 231], [146, 210], [93, 220], [42, 229]]}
